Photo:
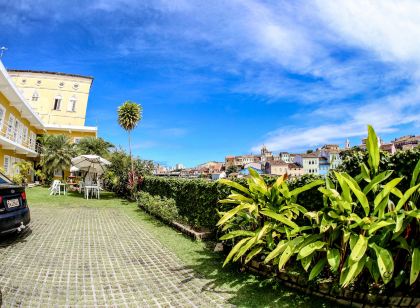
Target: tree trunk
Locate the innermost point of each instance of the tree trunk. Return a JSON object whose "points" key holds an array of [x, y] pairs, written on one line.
{"points": [[131, 157]]}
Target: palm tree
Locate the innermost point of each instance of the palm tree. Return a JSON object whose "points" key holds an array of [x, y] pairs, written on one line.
{"points": [[57, 152], [129, 115], [93, 145]]}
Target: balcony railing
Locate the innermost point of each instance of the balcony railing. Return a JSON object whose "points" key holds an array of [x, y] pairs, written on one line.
{"points": [[17, 135]]}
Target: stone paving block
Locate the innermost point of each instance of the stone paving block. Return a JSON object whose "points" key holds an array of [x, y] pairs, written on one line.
{"points": [[95, 257]]}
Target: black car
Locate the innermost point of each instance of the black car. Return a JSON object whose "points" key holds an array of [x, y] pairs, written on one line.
{"points": [[14, 211]]}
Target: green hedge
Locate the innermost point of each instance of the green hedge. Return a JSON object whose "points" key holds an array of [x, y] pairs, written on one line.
{"points": [[163, 207], [196, 200]]}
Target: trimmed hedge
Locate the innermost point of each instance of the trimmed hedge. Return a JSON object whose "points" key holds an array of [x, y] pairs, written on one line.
{"points": [[196, 200]]}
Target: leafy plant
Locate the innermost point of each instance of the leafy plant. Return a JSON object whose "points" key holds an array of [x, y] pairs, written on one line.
{"points": [[262, 217], [57, 152], [94, 145]]}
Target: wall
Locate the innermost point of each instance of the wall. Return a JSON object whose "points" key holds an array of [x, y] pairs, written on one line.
{"points": [[48, 87]]}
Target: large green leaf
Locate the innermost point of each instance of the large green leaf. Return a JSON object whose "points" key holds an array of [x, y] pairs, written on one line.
{"points": [[359, 195], [378, 225], [344, 186], [245, 248], [235, 250], [278, 250], [416, 172], [279, 217], [235, 185], [228, 215], [306, 262], [373, 149], [386, 191], [406, 196], [306, 187], [333, 257], [385, 262], [415, 265], [310, 248], [376, 180], [359, 248], [253, 253], [351, 273], [236, 233], [317, 269]]}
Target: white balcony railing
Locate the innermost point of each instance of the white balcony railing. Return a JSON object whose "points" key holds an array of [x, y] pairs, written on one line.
{"points": [[26, 140]]}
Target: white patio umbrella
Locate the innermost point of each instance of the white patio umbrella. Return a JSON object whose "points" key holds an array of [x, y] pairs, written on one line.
{"points": [[74, 169], [90, 163]]}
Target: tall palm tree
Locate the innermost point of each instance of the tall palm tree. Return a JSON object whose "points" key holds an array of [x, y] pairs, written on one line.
{"points": [[93, 145], [129, 115], [57, 152]]}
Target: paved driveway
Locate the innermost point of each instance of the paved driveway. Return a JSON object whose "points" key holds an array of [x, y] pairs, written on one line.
{"points": [[95, 257]]}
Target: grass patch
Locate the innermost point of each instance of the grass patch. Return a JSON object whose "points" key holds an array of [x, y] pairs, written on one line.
{"points": [[246, 289]]}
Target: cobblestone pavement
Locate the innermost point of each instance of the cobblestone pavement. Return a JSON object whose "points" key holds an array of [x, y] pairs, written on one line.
{"points": [[96, 257]]}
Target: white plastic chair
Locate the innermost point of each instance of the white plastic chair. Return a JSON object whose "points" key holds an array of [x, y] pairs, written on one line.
{"points": [[55, 187]]}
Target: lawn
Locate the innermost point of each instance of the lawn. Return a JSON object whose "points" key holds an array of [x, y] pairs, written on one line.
{"points": [[247, 290]]}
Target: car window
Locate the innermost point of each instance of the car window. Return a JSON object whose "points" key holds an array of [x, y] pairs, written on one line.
{"points": [[4, 179]]}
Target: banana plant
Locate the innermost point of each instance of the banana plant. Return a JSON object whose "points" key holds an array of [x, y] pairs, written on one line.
{"points": [[262, 215]]}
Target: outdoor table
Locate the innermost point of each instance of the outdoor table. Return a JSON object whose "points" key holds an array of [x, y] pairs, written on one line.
{"points": [[64, 185], [89, 188]]}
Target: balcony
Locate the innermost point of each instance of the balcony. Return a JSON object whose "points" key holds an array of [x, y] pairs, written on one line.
{"points": [[14, 139]]}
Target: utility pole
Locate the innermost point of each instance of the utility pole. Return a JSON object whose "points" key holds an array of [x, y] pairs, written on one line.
{"points": [[2, 50]]}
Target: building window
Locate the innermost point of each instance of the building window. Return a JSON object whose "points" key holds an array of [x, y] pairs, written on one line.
{"points": [[58, 172], [35, 96], [10, 126], [57, 102], [61, 84], [76, 86], [32, 140], [6, 164], [77, 140], [39, 82], [23, 81], [72, 104]]}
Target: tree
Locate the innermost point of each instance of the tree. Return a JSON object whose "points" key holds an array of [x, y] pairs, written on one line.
{"points": [[309, 151], [231, 169], [93, 145], [57, 152], [129, 115]]}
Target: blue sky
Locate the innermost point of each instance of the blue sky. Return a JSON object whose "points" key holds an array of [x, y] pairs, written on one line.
{"points": [[217, 78]]}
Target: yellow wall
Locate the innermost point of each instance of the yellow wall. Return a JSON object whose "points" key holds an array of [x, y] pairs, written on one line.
{"points": [[48, 86], [10, 110]]}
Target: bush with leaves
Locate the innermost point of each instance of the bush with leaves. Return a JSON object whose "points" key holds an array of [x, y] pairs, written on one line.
{"points": [[116, 177], [367, 229], [163, 207]]}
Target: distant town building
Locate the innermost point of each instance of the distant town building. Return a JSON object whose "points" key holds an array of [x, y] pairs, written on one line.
{"points": [[406, 142], [179, 167], [309, 162]]}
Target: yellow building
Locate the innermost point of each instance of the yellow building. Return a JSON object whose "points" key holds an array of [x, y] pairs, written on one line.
{"points": [[36, 103], [58, 98]]}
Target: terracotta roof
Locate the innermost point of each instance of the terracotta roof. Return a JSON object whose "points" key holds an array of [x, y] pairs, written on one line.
{"points": [[278, 163], [309, 155]]}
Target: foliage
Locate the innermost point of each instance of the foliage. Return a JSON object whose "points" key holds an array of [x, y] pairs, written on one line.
{"points": [[195, 199], [162, 207], [24, 167], [94, 145], [116, 177], [367, 229], [57, 152], [18, 179], [129, 115], [262, 215], [231, 169]]}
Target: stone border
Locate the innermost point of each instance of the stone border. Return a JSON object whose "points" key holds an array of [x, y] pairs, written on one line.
{"points": [[339, 295], [196, 235]]}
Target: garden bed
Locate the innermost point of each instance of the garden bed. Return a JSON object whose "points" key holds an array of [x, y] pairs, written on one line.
{"points": [[184, 229], [330, 291]]}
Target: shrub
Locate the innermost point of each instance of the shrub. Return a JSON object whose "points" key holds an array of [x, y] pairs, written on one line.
{"points": [[195, 199], [116, 177], [367, 230], [162, 207]]}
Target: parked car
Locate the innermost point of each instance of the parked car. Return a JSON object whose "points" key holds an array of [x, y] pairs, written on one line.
{"points": [[14, 211]]}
